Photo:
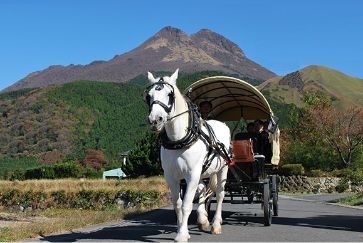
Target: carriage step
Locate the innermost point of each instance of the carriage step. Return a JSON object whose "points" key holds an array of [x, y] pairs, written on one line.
{"points": [[237, 201], [234, 201]]}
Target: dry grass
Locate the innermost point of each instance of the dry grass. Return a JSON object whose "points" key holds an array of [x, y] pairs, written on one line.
{"points": [[71, 185], [57, 221], [51, 221]]}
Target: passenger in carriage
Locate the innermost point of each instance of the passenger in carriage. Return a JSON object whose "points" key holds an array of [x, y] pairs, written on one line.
{"points": [[263, 145], [205, 107], [250, 134], [268, 150], [247, 135]]}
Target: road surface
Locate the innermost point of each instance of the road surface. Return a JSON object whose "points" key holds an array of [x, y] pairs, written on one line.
{"points": [[301, 218]]}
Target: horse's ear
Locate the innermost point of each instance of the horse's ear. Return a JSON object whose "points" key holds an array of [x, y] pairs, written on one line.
{"points": [[174, 77], [151, 78]]}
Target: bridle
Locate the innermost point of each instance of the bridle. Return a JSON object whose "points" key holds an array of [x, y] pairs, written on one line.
{"points": [[159, 86]]}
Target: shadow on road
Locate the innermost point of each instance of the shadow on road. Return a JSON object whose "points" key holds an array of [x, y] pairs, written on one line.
{"points": [[160, 225], [146, 227], [332, 222]]}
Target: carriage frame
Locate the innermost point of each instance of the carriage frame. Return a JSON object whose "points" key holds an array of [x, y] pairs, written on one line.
{"points": [[252, 181]]}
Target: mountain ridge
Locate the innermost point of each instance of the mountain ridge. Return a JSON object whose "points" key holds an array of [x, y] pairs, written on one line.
{"points": [[344, 90], [168, 49]]}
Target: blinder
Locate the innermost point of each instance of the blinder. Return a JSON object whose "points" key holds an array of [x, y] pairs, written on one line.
{"points": [[159, 86]]}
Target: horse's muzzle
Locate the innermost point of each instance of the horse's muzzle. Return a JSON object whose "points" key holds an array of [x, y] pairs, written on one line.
{"points": [[156, 125]]}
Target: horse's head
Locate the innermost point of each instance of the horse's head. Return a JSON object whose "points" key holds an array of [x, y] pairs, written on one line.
{"points": [[160, 97]]}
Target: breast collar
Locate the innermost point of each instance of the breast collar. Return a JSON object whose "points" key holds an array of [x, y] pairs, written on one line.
{"points": [[193, 131]]}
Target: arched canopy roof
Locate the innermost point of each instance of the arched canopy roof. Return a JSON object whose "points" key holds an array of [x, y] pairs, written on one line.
{"points": [[231, 98]]}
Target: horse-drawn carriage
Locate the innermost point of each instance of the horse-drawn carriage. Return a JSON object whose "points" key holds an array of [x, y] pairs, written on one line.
{"points": [[251, 177], [196, 149]]}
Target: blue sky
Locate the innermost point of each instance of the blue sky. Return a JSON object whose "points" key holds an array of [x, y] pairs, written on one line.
{"points": [[282, 36]]}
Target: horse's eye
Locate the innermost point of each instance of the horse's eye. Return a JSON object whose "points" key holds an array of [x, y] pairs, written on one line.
{"points": [[171, 98], [147, 98]]}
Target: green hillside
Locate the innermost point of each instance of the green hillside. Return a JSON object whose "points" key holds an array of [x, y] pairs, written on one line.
{"points": [[343, 89], [59, 123]]}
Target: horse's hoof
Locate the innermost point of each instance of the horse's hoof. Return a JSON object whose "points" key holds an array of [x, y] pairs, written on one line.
{"points": [[204, 226], [182, 238], [216, 230]]}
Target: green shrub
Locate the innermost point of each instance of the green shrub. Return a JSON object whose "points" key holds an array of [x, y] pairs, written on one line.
{"points": [[355, 177], [84, 199], [67, 170], [340, 173], [10, 197], [58, 171], [317, 173], [342, 186], [18, 175], [59, 197], [292, 169], [44, 172]]}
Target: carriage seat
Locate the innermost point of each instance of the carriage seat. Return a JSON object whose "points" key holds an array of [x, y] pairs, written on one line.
{"points": [[243, 151], [246, 160]]}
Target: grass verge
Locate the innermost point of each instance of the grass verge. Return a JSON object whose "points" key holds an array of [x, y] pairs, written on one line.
{"points": [[354, 200]]}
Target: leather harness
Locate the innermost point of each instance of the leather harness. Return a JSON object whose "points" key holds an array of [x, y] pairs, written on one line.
{"points": [[194, 131]]}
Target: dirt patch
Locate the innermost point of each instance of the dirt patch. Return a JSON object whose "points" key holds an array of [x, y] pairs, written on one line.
{"points": [[13, 219]]}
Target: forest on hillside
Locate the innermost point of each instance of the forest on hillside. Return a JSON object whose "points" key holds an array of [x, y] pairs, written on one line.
{"points": [[75, 121]]}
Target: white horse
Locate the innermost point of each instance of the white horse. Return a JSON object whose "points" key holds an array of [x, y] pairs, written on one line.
{"points": [[169, 113]]}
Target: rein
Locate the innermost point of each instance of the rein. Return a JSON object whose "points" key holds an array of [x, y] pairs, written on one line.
{"points": [[171, 118]]}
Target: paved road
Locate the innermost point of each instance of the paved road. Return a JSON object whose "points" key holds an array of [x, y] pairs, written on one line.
{"points": [[303, 218]]}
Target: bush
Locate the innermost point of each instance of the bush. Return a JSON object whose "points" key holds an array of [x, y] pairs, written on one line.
{"points": [[317, 173], [342, 186], [57, 171], [312, 157], [45, 172], [85, 199], [355, 177], [340, 173], [292, 169]]}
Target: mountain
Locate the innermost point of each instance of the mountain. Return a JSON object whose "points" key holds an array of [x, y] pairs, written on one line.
{"points": [[343, 89], [167, 50]]}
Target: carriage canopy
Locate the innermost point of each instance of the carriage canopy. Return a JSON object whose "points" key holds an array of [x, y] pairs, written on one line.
{"points": [[233, 99]]}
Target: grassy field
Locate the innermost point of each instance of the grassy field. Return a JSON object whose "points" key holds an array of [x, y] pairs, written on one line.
{"points": [[17, 225]]}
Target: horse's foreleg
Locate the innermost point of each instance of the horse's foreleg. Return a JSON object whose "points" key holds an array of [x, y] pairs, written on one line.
{"points": [[176, 200], [203, 222], [217, 220], [187, 206]]}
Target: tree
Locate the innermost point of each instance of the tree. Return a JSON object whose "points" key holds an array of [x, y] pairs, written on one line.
{"points": [[144, 158], [342, 130]]}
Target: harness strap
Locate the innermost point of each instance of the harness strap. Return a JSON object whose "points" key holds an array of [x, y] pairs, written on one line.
{"points": [[220, 149], [192, 132], [208, 160]]}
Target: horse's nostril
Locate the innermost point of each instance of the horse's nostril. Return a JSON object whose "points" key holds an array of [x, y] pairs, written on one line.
{"points": [[160, 119]]}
